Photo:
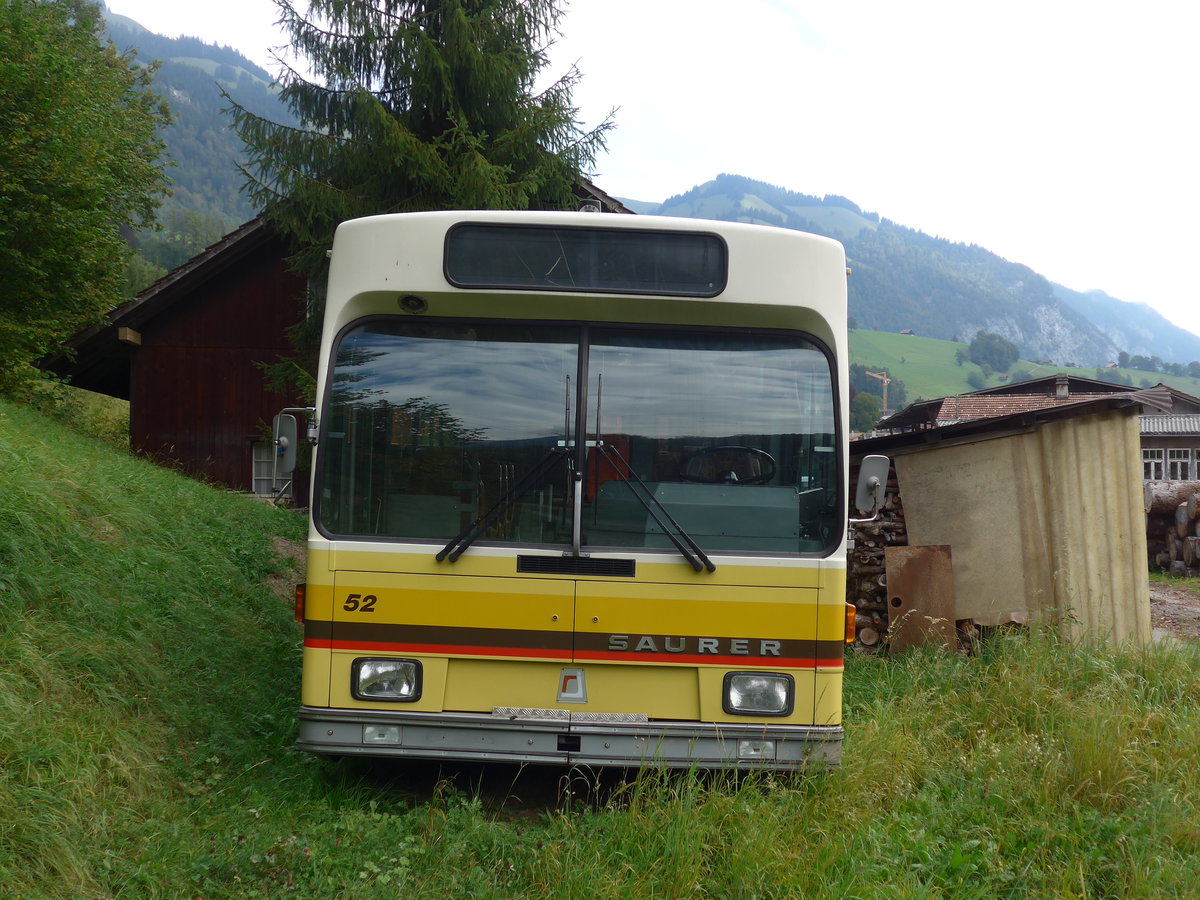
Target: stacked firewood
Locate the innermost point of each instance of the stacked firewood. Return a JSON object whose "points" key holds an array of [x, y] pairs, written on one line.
{"points": [[866, 575], [1173, 526]]}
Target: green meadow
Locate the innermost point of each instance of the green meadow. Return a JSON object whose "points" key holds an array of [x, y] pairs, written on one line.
{"points": [[149, 678], [929, 367]]}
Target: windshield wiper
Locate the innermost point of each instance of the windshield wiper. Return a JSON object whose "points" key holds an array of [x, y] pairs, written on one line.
{"points": [[458, 545], [692, 552]]}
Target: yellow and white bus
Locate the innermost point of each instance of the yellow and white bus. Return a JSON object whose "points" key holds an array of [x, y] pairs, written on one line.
{"points": [[579, 493]]}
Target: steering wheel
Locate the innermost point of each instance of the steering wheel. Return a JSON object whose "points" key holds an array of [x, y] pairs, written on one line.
{"points": [[728, 465]]}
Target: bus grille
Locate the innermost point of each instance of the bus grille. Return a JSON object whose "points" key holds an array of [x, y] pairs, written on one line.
{"points": [[576, 565]]}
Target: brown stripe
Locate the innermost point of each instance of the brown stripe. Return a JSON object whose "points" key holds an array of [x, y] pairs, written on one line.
{"points": [[317, 631], [691, 648], [442, 635], [831, 650]]}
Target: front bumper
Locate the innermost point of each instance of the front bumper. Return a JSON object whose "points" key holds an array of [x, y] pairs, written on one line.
{"points": [[562, 737]]}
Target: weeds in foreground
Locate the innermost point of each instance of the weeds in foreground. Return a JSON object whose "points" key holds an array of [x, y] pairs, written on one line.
{"points": [[147, 693]]}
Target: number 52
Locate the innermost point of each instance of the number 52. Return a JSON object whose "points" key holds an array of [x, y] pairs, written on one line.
{"points": [[360, 603]]}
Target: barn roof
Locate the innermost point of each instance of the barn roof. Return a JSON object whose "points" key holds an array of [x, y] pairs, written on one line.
{"points": [[97, 358]]}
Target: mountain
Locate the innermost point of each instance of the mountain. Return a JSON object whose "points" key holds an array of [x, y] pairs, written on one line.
{"points": [[902, 279], [905, 279], [203, 148], [1134, 327]]}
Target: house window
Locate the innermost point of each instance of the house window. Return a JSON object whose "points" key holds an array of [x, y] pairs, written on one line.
{"points": [[1152, 465], [1179, 465], [263, 472]]}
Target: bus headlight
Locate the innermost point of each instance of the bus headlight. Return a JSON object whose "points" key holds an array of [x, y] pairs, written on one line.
{"points": [[758, 694], [386, 680]]}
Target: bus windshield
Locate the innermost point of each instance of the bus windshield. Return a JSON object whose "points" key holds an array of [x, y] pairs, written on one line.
{"points": [[431, 424]]}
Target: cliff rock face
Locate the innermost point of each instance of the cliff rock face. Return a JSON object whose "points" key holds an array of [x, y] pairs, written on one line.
{"points": [[1047, 331], [1133, 327]]}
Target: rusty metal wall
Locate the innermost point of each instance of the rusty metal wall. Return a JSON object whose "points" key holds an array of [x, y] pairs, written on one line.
{"points": [[1045, 523]]}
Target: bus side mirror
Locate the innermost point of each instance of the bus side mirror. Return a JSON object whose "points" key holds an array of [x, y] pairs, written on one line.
{"points": [[872, 480], [285, 434]]}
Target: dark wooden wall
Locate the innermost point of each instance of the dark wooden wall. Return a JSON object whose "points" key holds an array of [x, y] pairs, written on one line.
{"points": [[197, 398]]}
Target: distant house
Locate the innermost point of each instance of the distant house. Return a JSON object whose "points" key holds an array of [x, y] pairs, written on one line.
{"points": [[1171, 441], [907, 331], [187, 355], [1169, 424]]}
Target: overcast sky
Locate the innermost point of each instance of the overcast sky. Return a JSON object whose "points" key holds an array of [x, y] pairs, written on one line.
{"points": [[1061, 134]]}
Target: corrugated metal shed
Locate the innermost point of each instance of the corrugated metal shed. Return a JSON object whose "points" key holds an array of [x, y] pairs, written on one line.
{"points": [[1043, 512]]}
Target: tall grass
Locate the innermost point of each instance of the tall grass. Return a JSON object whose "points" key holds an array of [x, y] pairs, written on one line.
{"points": [[132, 610], [147, 690]]}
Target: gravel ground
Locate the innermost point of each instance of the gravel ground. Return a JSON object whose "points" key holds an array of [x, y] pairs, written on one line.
{"points": [[1174, 610]]}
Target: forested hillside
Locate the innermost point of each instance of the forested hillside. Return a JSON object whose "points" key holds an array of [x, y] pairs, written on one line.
{"points": [[207, 201], [906, 280]]}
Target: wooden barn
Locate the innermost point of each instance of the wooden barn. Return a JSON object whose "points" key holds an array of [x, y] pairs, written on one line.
{"points": [[186, 354]]}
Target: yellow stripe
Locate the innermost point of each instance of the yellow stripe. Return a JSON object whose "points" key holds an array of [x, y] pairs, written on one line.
{"points": [[775, 573]]}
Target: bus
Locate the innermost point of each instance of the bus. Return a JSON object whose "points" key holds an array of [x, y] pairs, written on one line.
{"points": [[578, 493]]}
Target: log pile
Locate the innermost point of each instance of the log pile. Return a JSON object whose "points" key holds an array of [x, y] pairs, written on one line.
{"points": [[1173, 526], [866, 576]]}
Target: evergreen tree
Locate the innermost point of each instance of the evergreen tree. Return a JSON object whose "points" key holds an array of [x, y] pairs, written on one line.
{"points": [[423, 104], [80, 161], [864, 412], [992, 351]]}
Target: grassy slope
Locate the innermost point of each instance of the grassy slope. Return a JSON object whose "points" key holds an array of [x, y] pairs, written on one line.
{"points": [[147, 690], [928, 367], [134, 634]]}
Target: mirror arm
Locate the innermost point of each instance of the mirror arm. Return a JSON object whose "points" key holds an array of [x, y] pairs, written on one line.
{"points": [[284, 438], [876, 489], [310, 416], [872, 482]]}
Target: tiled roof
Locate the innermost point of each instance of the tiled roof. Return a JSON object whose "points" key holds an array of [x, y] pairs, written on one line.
{"points": [[965, 408], [970, 407]]}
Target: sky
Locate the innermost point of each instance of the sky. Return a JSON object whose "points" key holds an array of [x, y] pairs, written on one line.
{"points": [[1061, 134]]}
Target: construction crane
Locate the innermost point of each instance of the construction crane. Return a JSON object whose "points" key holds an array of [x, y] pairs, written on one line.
{"points": [[886, 381]]}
